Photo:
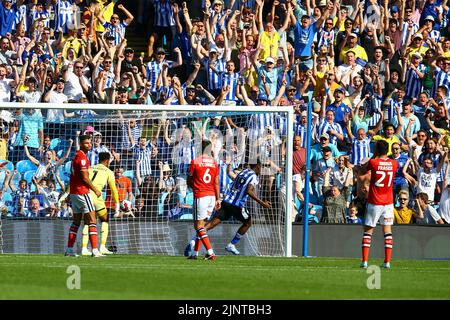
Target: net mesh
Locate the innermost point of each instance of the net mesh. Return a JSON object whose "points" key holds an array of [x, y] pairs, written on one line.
{"points": [[150, 156]]}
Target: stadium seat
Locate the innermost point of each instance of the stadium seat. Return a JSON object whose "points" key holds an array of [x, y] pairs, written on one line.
{"points": [[129, 174], [60, 153], [2, 178], [186, 216], [54, 143], [29, 176], [7, 198], [25, 165], [9, 166], [161, 201], [65, 177], [16, 180]]}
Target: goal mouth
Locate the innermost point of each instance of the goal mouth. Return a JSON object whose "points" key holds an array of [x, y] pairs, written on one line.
{"points": [[151, 148]]}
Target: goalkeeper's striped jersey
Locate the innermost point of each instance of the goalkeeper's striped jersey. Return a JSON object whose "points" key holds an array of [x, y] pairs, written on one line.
{"points": [[236, 194], [101, 175]]}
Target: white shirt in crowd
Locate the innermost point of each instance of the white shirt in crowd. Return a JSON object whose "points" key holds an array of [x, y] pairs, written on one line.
{"points": [[5, 90]]}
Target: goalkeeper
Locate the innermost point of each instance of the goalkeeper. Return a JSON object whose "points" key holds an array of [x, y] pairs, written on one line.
{"points": [[100, 175]]}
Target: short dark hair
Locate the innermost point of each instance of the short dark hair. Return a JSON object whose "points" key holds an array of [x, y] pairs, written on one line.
{"points": [[254, 165], [206, 146], [85, 137], [102, 156], [423, 196], [381, 147], [387, 125], [443, 88]]}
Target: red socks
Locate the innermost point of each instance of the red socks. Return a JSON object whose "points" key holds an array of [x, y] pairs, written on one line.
{"points": [[366, 241]]}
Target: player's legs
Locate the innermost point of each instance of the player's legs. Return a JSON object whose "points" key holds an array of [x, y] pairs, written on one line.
{"points": [[388, 242], [81, 205], [209, 224], [366, 242], [91, 220], [85, 241], [242, 215], [104, 218], [73, 234], [202, 210]]}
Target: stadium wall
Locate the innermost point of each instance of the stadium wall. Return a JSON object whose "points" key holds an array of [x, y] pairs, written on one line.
{"points": [[410, 241], [50, 236]]}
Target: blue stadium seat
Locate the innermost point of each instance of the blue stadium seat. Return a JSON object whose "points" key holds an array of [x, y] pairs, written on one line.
{"points": [[67, 167], [7, 198], [25, 165], [54, 143], [2, 178], [29, 176], [186, 216], [9, 166], [16, 180], [129, 174], [65, 177], [161, 200]]}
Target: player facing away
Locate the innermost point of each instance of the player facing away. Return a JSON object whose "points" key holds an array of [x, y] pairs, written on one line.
{"points": [[101, 175], [204, 180], [234, 201], [82, 204], [380, 202]]}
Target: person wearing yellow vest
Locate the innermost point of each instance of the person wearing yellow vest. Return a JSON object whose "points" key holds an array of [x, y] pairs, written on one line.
{"points": [[351, 44], [390, 133]]}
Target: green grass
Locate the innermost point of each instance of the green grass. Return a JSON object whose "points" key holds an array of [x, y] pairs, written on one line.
{"points": [[229, 277]]}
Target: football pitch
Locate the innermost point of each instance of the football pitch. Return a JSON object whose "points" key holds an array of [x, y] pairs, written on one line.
{"points": [[229, 277]]}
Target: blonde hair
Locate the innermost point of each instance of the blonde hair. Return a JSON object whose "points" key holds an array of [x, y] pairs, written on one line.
{"points": [[403, 192]]}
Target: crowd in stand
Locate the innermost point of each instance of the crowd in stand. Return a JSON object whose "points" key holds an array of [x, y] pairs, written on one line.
{"points": [[369, 70]]}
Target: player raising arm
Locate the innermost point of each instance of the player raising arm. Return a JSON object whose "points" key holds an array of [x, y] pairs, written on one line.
{"points": [[82, 204], [204, 180], [234, 200], [380, 203]]}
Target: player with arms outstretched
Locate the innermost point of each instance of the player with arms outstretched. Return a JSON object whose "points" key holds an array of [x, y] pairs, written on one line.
{"points": [[82, 204], [204, 180], [380, 202]]}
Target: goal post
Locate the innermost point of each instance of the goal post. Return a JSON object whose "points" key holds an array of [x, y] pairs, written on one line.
{"points": [[163, 224]]}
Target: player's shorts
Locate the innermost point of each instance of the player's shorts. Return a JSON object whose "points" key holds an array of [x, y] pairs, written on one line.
{"points": [[203, 207], [100, 207], [384, 214], [82, 203], [227, 211]]}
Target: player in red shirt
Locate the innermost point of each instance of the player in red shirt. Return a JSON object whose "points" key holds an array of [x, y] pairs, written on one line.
{"points": [[82, 204], [204, 180], [380, 203]]}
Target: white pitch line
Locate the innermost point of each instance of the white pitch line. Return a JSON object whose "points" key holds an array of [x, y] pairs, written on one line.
{"points": [[216, 267]]}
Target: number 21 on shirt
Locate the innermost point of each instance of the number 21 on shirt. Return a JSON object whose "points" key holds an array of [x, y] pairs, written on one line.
{"points": [[384, 178]]}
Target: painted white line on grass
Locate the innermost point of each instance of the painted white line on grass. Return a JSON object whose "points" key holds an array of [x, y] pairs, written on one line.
{"points": [[86, 264]]}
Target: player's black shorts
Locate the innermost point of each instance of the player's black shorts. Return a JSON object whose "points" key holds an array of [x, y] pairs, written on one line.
{"points": [[227, 211]]}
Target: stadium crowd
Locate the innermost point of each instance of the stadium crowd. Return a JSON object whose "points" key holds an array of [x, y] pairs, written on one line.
{"points": [[369, 70]]}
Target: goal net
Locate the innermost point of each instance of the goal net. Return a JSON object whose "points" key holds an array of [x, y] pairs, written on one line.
{"points": [[151, 148]]}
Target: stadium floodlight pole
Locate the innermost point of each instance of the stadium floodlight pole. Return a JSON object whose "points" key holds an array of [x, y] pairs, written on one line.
{"points": [[307, 181]]}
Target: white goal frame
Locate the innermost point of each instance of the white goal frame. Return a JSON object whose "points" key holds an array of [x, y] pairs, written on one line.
{"points": [[289, 110]]}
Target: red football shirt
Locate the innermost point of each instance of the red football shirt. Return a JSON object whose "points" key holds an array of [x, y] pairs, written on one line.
{"points": [[381, 190], [204, 171], [79, 162]]}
